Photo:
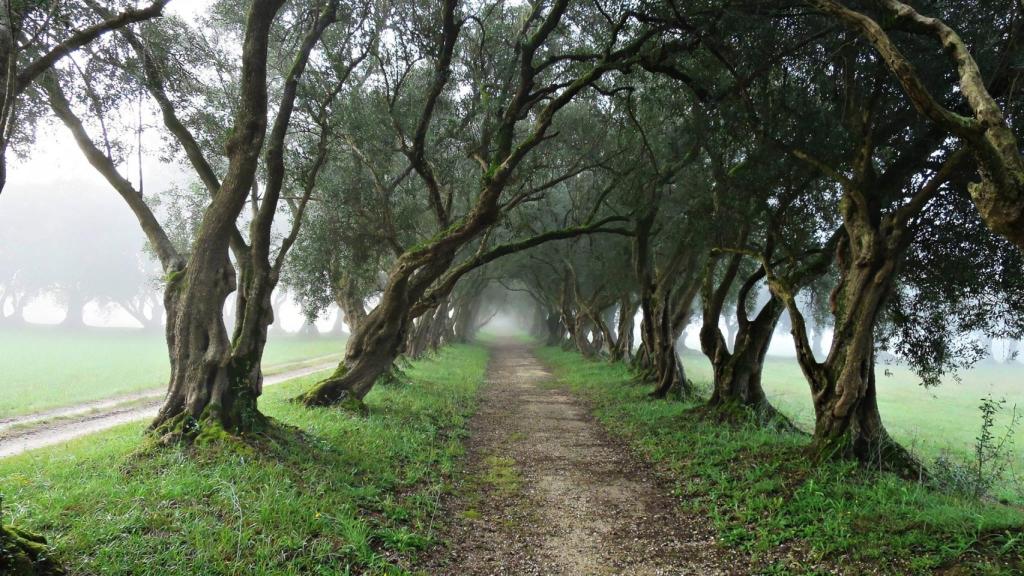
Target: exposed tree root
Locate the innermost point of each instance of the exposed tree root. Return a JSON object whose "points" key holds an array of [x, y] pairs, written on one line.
{"points": [[208, 429], [761, 414], [327, 393], [25, 554], [883, 454]]}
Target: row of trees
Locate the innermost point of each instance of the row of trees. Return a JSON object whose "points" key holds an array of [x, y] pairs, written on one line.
{"points": [[824, 177], [854, 162]]}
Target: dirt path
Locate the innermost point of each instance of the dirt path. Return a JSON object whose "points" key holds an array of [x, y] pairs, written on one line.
{"points": [[24, 433], [548, 492]]}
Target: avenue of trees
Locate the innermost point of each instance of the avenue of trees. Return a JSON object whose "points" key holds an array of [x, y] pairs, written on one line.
{"points": [[751, 168], [744, 169]]}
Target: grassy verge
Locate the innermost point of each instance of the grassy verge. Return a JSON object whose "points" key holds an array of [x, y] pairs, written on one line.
{"points": [[47, 367], [765, 497], [342, 495]]}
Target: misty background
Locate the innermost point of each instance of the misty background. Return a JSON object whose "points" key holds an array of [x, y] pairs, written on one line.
{"points": [[68, 242]]}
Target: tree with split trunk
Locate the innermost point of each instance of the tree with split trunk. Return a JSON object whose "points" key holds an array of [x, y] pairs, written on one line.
{"points": [[762, 215], [884, 182], [215, 373]]}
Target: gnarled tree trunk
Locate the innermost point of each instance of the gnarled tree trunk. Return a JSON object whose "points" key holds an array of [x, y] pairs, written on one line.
{"points": [[737, 373], [847, 421], [372, 349], [214, 384]]}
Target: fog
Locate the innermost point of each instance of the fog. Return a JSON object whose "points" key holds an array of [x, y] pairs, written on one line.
{"points": [[66, 236]]}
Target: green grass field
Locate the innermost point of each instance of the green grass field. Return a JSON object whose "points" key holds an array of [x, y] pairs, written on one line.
{"points": [[929, 421], [764, 495], [47, 367], [343, 494]]}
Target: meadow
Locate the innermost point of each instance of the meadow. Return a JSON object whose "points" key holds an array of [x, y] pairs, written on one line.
{"points": [[930, 421], [329, 492], [44, 367]]}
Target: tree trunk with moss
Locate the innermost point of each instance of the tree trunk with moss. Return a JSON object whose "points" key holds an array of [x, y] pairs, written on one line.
{"points": [[847, 421], [214, 385], [737, 373], [26, 554], [371, 350], [999, 196]]}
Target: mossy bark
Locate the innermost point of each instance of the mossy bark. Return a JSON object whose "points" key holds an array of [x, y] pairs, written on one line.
{"points": [[216, 380], [737, 373], [847, 421], [372, 350], [23, 553], [737, 376]]}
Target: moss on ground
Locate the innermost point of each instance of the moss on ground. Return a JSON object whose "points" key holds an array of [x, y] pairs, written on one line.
{"points": [[23, 553]]}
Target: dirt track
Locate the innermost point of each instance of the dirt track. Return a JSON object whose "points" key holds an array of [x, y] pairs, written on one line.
{"points": [[548, 492], [24, 433]]}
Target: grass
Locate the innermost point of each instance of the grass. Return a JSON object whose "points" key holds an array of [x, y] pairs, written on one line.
{"points": [[765, 497], [49, 367], [930, 421], [349, 495]]}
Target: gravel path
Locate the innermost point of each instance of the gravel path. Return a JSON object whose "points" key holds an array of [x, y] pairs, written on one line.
{"points": [[24, 433], [548, 492]]}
